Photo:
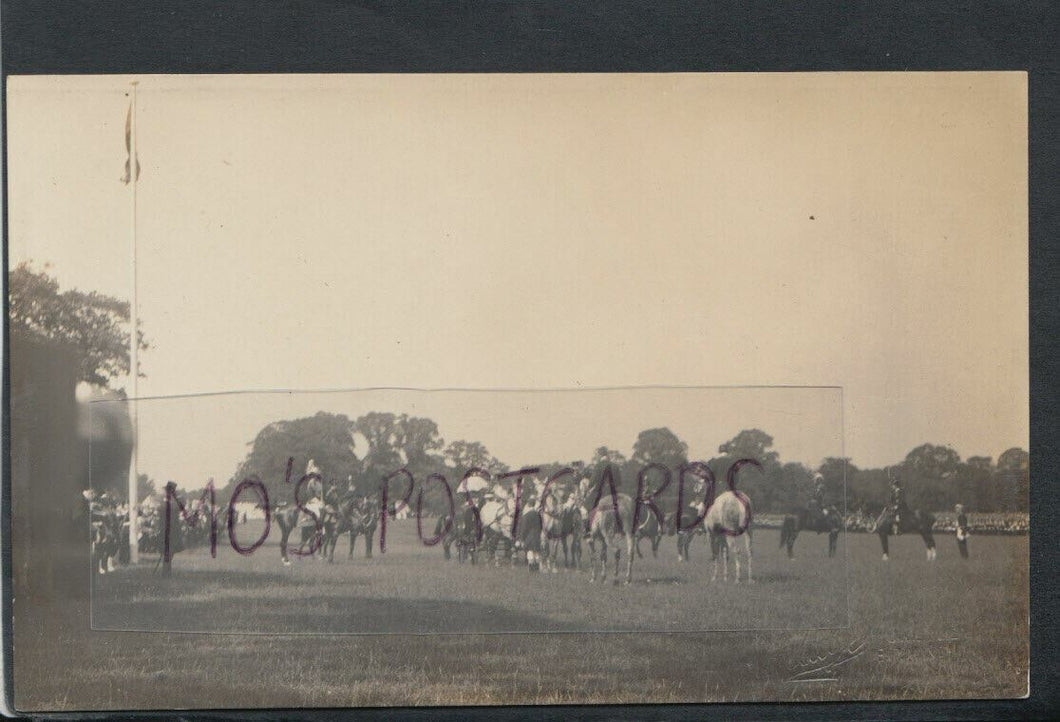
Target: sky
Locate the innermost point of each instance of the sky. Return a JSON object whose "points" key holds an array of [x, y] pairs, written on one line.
{"points": [[862, 231]]}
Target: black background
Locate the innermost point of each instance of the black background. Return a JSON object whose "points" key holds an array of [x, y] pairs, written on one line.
{"points": [[236, 36]]}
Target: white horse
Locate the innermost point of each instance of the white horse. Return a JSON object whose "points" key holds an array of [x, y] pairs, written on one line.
{"points": [[497, 515], [609, 522], [728, 522]]}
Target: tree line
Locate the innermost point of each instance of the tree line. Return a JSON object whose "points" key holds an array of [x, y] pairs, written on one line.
{"points": [[360, 452]]}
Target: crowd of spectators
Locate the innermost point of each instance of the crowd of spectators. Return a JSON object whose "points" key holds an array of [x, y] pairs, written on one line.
{"points": [[945, 522]]}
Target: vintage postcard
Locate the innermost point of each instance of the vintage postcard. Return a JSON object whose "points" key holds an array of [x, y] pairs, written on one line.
{"points": [[517, 389]]}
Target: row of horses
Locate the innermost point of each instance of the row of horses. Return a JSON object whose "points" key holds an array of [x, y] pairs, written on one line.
{"points": [[541, 533], [613, 528], [544, 532]]}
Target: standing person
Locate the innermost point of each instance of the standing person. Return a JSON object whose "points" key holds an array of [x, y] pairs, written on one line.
{"points": [[962, 531], [897, 505]]}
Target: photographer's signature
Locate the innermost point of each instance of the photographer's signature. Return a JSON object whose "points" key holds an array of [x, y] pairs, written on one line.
{"points": [[827, 667]]}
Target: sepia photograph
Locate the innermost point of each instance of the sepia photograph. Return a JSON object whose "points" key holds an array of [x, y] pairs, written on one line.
{"points": [[395, 390]]}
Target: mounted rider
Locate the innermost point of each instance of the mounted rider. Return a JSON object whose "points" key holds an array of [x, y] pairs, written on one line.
{"points": [[897, 503], [818, 509]]}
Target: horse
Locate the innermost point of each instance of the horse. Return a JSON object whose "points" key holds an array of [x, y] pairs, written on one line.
{"points": [[892, 521], [828, 521], [106, 540], [447, 536], [728, 521], [288, 518], [497, 517], [341, 516], [649, 529], [363, 523], [467, 534], [528, 538], [691, 525], [608, 521], [560, 524]]}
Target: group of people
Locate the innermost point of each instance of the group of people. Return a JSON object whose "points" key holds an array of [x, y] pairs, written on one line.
{"points": [[898, 508]]}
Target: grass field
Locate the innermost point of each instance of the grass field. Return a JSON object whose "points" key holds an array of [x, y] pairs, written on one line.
{"points": [[295, 636]]}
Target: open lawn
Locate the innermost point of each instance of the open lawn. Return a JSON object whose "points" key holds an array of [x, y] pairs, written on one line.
{"points": [[408, 628]]}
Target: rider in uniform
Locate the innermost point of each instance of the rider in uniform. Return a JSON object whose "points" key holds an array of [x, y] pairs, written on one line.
{"points": [[897, 504], [817, 505]]}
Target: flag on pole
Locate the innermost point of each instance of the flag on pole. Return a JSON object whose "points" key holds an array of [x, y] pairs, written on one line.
{"points": [[130, 161]]}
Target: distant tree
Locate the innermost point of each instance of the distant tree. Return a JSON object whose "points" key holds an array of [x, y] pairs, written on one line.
{"points": [[660, 446], [751, 444], [92, 323], [464, 455], [419, 442], [869, 489], [765, 486], [930, 475], [145, 486], [382, 435], [795, 490], [837, 473], [325, 438], [657, 446], [976, 487], [1013, 479]]}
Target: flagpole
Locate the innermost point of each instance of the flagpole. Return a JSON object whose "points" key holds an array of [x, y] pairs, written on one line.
{"points": [[134, 346]]}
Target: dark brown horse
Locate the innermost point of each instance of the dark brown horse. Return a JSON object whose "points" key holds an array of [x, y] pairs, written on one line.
{"points": [[364, 524], [691, 525], [906, 521], [826, 521]]}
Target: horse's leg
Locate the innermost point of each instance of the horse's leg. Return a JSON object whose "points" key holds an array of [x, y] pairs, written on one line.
{"points": [[285, 533], [715, 552], [369, 540], [629, 562], [747, 548], [353, 541], [592, 561], [883, 541]]}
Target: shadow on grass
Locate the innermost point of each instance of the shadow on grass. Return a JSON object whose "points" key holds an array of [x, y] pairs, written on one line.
{"points": [[271, 603]]}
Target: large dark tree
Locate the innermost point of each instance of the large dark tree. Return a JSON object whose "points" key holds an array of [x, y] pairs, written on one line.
{"points": [[325, 438], [765, 486], [751, 444], [463, 455], [837, 473], [1013, 479], [930, 476], [94, 324]]}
